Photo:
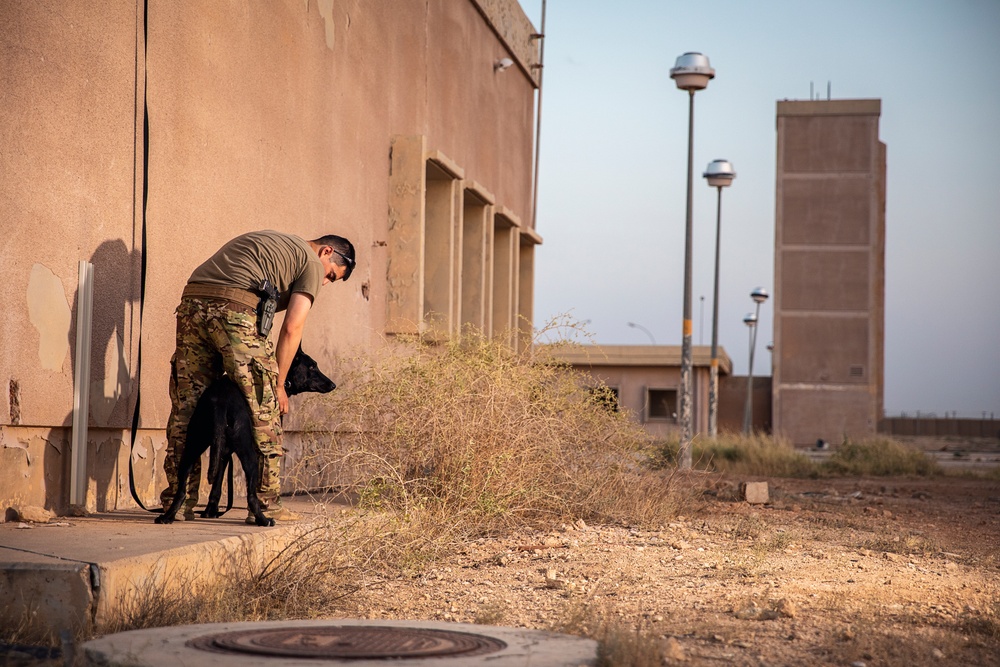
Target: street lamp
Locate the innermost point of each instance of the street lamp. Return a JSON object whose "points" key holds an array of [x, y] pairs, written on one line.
{"points": [[642, 328], [759, 295], [691, 72], [719, 174]]}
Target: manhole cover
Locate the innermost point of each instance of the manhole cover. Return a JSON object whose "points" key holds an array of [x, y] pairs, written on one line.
{"points": [[350, 642]]}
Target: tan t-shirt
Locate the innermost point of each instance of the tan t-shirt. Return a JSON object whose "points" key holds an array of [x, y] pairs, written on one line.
{"points": [[286, 260]]}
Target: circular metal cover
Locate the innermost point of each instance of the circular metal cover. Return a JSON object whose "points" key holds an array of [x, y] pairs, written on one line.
{"points": [[349, 642]]}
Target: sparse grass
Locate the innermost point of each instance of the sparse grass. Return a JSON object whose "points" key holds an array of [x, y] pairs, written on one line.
{"points": [[311, 576], [618, 644], [764, 456], [903, 545], [22, 644], [880, 457], [752, 455]]}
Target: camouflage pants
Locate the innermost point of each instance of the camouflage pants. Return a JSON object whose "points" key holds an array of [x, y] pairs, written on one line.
{"points": [[216, 337]]}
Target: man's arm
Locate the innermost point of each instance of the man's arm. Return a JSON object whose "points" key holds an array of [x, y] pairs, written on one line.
{"points": [[288, 341]]}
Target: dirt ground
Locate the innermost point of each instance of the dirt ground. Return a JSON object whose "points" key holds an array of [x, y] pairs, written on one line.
{"points": [[829, 572]]}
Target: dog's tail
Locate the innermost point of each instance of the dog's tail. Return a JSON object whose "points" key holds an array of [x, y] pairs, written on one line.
{"points": [[215, 450]]}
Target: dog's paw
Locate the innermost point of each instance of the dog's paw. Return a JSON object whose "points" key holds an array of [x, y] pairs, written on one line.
{"points": [[163, 519], [206, 514], [266, 522]]}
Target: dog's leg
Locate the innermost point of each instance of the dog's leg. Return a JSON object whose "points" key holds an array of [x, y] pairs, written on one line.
{"points": [[248, 458], [183, 472], [211, 510]]}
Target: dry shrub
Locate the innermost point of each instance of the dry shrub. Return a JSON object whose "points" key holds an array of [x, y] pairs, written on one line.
{"points": [[479, 439], [757, 454], [879, 457], [311, 576]]}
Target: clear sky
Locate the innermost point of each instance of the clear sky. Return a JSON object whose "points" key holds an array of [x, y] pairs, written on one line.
{"points": [[614, 163]]}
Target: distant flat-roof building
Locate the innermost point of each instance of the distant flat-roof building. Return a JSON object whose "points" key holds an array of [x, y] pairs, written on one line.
{"points": [[645, 380], [829, 271]]}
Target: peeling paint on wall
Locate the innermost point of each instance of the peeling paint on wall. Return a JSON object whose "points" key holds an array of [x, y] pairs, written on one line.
{"points": [[9, 442], [326, 11], [49, 312]]}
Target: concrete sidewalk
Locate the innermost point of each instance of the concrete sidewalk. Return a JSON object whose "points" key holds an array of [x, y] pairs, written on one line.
{"points": [[75, 572]]}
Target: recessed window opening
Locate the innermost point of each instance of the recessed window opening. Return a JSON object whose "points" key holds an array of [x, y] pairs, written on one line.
{"points": [[661, 404]]}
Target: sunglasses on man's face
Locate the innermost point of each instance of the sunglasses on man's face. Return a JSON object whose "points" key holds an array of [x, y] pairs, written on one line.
{"points": [[347, 269], [349, 260]]}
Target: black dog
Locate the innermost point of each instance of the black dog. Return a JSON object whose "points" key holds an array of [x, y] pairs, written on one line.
{"points": [[222, 421]]}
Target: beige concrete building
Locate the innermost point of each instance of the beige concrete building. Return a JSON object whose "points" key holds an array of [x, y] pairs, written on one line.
{"points": [[646, 379], [829, 271], [155, 130]]}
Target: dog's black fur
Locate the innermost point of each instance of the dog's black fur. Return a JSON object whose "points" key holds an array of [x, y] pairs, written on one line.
{"points": [[222, 421]]}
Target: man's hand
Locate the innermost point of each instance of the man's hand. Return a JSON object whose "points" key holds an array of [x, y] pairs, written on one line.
{"points": [[282, 400]]}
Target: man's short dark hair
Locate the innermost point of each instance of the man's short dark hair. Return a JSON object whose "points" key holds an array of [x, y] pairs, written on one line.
{"points": [[343, 252]]}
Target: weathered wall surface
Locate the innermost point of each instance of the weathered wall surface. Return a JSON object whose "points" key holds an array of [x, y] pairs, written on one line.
{"points": [[260, 115]]}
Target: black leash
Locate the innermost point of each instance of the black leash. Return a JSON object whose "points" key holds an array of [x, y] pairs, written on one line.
{"points": [[142, 271], [142, 280], [142, 287]]}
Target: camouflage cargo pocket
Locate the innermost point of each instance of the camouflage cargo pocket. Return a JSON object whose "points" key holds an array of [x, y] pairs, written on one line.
{"points": [[242, 325], [265, 375]]}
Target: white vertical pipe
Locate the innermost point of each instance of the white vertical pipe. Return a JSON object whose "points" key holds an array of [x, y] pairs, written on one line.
{"points": [[81, 385]]}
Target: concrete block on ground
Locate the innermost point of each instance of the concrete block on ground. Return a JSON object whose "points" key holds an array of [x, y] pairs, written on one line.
{"points": [[754, 493]]}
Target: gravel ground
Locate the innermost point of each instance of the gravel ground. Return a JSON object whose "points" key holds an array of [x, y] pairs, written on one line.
{"points": [[843, 572]]}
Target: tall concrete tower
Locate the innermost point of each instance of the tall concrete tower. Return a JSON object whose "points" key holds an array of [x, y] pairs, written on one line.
{"points": [[829, 271]]}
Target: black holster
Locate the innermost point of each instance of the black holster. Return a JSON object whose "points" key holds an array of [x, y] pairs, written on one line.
{"points": [[266, 307]]}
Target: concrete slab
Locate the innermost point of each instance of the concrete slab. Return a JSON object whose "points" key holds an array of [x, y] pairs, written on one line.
{"points": [[74, 572], [308, 643]]}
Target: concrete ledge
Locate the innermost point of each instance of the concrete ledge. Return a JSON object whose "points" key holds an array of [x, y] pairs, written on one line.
{"points": [[78, 572], [46, 595]]}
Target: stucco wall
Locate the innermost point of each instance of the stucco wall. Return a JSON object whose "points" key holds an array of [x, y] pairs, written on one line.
{"points": [[271, 114]]}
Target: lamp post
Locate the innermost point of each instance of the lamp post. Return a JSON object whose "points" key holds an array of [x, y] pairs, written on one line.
{"points": [[691, 72], [719, 174], [643, 329], [759, 295]]}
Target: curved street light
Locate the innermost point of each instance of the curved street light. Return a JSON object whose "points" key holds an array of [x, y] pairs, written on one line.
{"points": [[719, 174], [691, 72], [759, 296], [644, 329]]}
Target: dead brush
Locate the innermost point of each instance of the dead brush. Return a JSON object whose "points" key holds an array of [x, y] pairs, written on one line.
{"points": [[879, 457], [737, 454], [312, 575], [487, 439]]}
